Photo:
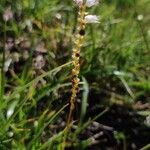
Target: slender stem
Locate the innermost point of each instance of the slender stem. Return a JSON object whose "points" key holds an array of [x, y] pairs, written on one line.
{"points": [[3, 65]]}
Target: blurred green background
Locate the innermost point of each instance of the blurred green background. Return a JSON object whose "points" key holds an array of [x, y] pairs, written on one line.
{"points": [[115, 68]]}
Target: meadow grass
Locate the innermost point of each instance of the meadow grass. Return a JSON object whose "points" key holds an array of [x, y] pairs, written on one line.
{"points": [[115, 68]]}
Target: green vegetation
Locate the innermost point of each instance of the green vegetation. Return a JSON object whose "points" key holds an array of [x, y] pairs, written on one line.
{"points": [[113, 105]]}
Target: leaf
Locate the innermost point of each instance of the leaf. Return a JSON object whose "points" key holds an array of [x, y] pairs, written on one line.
{"points": [[45, 125], [84, 100]]}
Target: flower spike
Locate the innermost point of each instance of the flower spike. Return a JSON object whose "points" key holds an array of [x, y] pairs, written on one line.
{"points": [[83, 19]]}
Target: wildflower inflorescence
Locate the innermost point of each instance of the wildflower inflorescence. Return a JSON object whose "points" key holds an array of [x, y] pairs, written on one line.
{"points": [[83, 19]]}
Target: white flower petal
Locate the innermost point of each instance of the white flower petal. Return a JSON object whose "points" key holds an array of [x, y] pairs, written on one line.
{"points": [[91, 19], [90, 3]]}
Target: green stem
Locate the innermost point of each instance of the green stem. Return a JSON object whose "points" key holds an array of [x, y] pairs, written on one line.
{"points": [[3, 65]]}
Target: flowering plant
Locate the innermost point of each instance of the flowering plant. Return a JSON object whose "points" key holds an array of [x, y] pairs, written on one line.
{"points": [[83, 19]]}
